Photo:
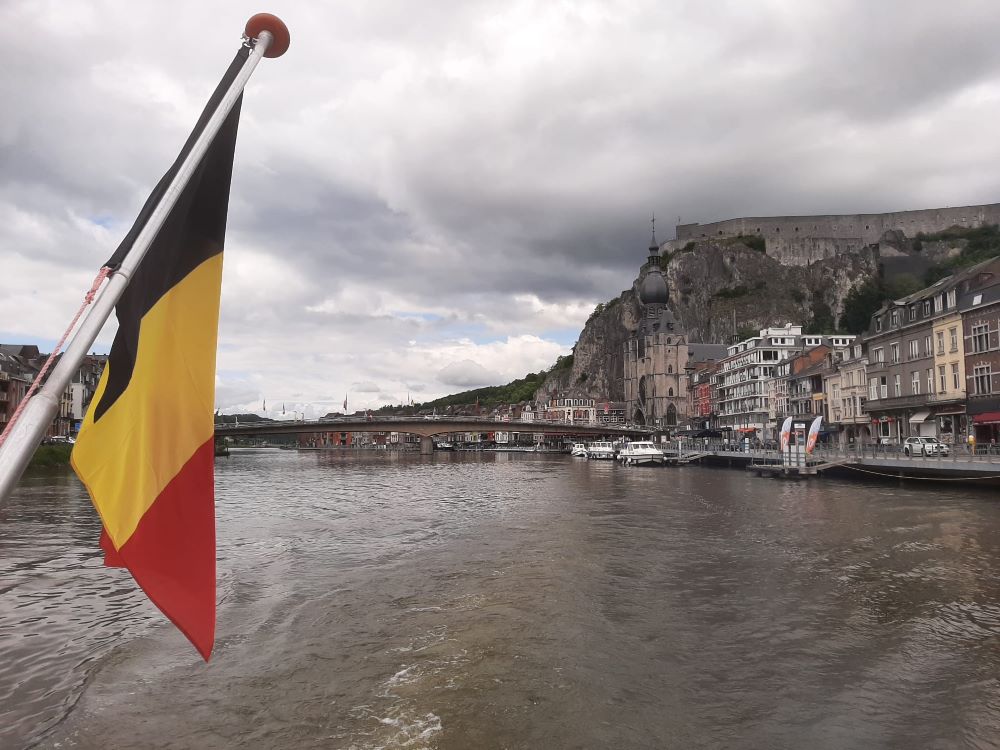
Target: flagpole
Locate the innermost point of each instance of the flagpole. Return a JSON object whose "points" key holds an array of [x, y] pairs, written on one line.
{"points": [[25, 435]]}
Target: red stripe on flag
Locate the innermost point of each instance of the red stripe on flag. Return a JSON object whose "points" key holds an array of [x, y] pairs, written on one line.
{"points": [[171, 554], [111, 557]]}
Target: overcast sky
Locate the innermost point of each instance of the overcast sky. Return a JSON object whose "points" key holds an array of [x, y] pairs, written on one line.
{"points": [[430, 197]]}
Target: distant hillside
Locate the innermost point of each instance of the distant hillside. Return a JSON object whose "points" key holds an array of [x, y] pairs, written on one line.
{"points": [[522, 389]]}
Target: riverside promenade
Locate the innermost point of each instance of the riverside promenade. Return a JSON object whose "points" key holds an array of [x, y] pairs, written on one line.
{"points": [[869, 460]]}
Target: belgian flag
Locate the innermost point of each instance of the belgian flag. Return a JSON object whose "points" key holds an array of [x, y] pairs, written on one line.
{"points": [[146, 448]]}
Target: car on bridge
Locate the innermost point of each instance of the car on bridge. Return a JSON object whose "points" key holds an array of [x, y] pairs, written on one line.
{"points": [[924, 446]]}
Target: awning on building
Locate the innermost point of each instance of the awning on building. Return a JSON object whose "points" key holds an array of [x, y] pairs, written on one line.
{"points": [[988, 417], [920, 416]]}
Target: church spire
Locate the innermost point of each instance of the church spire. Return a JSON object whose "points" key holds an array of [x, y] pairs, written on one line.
{"points": [[654, 248]]}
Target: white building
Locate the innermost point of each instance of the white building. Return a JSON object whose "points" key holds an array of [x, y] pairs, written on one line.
{"points": [[746, 377]]}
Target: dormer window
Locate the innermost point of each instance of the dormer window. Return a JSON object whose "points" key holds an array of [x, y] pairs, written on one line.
{"points": [[927, 307], [894, 318], [951, 298], [913, 312], [878, 324]]}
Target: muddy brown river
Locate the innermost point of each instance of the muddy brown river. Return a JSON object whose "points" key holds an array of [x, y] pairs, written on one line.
{"points": [[466, 601]]}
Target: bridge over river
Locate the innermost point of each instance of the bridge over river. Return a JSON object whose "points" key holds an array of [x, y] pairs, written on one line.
{"points": [[427, 427]]}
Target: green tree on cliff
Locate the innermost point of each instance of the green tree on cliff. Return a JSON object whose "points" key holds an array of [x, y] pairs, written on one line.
{"points": [[859, 305]]}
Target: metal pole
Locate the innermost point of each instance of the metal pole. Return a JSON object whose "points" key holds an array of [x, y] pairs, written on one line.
{"points": [[27, 432]]}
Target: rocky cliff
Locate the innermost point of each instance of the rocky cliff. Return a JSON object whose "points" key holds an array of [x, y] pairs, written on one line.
{"points": [[718, 289]]}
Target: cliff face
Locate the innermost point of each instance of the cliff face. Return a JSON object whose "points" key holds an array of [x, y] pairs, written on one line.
{"points": [[710, 285], [598, 357], [718, 282]]}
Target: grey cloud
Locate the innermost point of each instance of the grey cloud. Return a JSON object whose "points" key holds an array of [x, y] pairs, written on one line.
{"points": [[471, 156]]}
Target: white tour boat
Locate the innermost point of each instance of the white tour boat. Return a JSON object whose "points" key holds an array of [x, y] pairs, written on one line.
{"points": [[601, 449], [640, 452], [579, 450]]}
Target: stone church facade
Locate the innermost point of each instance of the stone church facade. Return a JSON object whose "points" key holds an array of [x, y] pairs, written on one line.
{"points": [[655, 355]]}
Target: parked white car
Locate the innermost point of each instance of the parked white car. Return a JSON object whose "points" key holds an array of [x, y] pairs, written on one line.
{"points": [[924, 446]]}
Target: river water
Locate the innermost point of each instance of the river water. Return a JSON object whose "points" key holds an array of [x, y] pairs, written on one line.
{"points": [[516, 601]]}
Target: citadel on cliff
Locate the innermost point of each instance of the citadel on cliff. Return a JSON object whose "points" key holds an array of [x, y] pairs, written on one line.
{"points": [[801, 240]]}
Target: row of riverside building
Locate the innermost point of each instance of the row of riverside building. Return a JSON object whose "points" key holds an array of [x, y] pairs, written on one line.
{"points": [[928, 365], [20, 365]]}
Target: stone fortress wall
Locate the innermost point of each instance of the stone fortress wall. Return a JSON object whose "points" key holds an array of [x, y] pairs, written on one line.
{"points": [[801, 240]]}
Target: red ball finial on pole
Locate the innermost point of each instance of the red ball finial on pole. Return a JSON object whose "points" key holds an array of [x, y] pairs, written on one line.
{"points": [[276, 27]]}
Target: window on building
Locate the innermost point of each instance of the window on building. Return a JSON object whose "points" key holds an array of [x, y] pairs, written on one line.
{"points": [[942, 379], [913, 312], [981, 378], [914, 344], [873, 389], [954, 376], [927, 307], [897, 386], [930, 380], [878, 324], [877, 355], [927, 346], [915, 382], [940, 342], [894, 318], [953, 338], [939, 303], [894, 352], [977, 299], [951, 298], [980, 338]]}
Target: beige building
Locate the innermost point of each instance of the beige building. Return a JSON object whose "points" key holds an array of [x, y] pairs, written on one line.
{"points": [[656, 355], [846, 389], [949, 373]]}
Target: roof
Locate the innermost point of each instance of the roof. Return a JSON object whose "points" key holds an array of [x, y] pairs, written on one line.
{"points": [[989, 295], [816, 369], [938, 286], [707, 352]]}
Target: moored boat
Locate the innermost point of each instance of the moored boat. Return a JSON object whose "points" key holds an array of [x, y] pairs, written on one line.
{"points": [[579, 450], [601, 449], [640, 452]]}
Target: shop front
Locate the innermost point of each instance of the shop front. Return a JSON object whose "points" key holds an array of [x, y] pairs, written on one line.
{"points": [[984, 420], [950, 423], [885, 430], [986, 428]]}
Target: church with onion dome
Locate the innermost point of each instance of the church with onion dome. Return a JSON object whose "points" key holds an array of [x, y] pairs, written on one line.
{"points": [[656, 354]]}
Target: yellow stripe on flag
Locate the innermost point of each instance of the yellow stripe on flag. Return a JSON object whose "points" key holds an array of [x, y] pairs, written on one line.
{"points": [[165, 414]]}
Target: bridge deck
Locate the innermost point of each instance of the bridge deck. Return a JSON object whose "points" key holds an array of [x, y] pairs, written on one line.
{"points": [[428, 427]]}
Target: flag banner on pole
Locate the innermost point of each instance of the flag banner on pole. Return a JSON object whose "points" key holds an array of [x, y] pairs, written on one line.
{"points": [[813, 434], [786, 432], [146, 447]]}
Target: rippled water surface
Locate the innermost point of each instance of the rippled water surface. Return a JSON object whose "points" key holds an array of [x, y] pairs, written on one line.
{"points": [[516, 601]]}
